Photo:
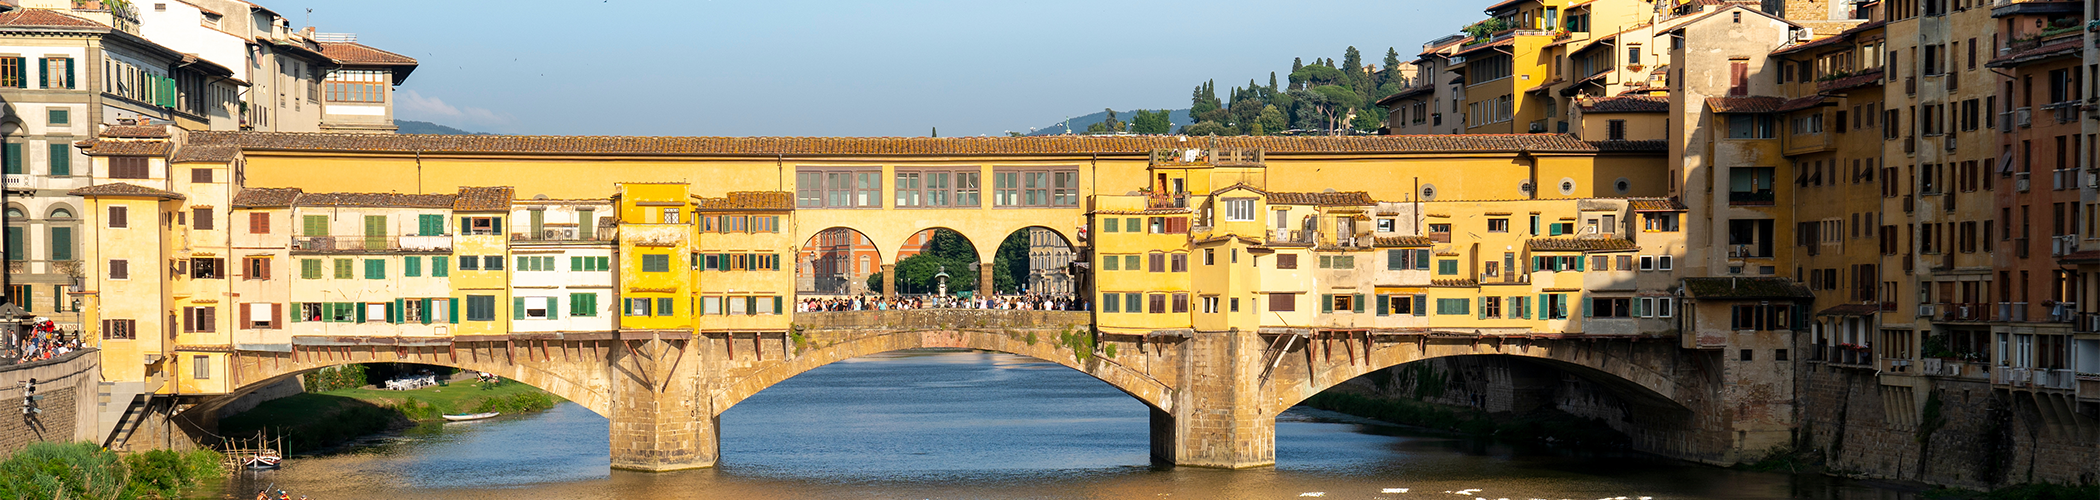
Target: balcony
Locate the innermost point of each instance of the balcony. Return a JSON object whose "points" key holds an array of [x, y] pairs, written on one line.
{"points": [[2011, 311], [2063, 312], [2085, 322], [2013, 377], [2066, 112], [1747, 252], [1293, 237], [1167, 200], [2063, 245], [371, 244], [1763, 197], [2058, 379], [2066, 178], [1964, 311], [1851, 355], [561, 234], [1505, 278]]}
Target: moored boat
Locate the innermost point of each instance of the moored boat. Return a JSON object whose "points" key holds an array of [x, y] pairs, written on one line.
{"points": [[264, 461], [470, 416]]}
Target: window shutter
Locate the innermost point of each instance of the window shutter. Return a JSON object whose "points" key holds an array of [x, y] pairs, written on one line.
{"points": [[496, 225], [360, 311], [43, 65], [575, 263], [1421, 305], [1359, 303], [1637, 306], [1383, 307], [1578, 262], [1542, 307], [1395, 259], [423, 305], [276, 316], [1481, 312], [517, 308], [393, 312], [521, 264], [1422, 259], [776, 305], [22, 69], [1326, 303], [1523, 306], [61, 159], [1585, 306], [69, 73], [246, 324], [296, 318], [553, 312], [452, 309]]}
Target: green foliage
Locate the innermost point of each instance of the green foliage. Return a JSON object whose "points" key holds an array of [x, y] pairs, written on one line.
{"points": [[1208, 128], [85, 471], [164, 474], [1010, 263], [917, 274], [1204, 99], [1271, 120], [1030, 339], [1480, 31], [1110, 125], [1781, 459], [1109, 350], [1080, 342], [1314, 76], [523, 402], [1151, 122], [334, 378]]}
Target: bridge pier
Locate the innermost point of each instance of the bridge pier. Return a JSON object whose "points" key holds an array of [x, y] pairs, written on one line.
{"points": [[889, 281], [657, 422], [1220, 419]]}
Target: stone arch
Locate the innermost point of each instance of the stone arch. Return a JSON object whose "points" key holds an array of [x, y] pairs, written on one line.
{"points": [[1620, 372], [1062, 247], [1154, 393], [257, 372], [62, 211], [830, 261]]}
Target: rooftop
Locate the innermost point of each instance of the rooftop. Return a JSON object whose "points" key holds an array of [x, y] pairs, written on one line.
{"points": [[125, 190], [883, 146]]}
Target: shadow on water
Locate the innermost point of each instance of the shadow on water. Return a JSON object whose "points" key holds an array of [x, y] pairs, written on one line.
{"points": [[946, 424]]}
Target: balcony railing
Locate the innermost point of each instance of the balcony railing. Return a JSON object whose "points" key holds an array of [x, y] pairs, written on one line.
{"points": [[1852, 356], [1293, 236], [1746, 252], [371, 244], [1764, 197], [1167, 200], [566, 234], [1961, 311]]}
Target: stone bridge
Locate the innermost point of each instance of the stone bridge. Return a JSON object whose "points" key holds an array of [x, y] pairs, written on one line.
{"points": [[1214, 396]]}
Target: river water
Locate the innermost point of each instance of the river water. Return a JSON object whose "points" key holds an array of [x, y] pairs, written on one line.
{"points": [[945, 424]]}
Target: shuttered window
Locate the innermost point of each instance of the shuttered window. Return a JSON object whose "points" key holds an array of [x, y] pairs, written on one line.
{"points": [[1283, 302], [119, 217], [127, 167]]}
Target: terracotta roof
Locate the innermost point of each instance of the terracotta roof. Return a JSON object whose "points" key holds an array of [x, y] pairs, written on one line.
{"points": [[1149, 211], [122, 189], [1403, 241], [214, 153], [1238, 185], [45, 18], [136, 131], [1745, 288], [1347, 198], [1578, 244], [860, 146], [124, 148], [358, 53], [1851, 310], [751, 200], [1467, 282], [1656, 205], [1862, 79], [483, 199], [1759, 104], [2065, 47], [1626, 104], [266, 197], [1504, 3], [1545, 86], [1631, 146], [389, 200], [1801, 103], [2081, 256], [1476, 47], [1406, 93]]}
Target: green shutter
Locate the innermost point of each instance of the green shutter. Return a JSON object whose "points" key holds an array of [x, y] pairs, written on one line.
{"points": [[16, 242], [43, 64], [776, 304], [61, 243], [412, 266], [1585, 306], [13, 158], [604, 264], [360, 310], [1579, 261], [393, 312], [575, 263], [521, 264], [1636, 301], [1422, 259], [1359, 303], [1543, 307], [1421, 305], [1395, 260], [1326, 303], [375, 269], [297, 314], [496, 224], [430, 224], [22, 69], [316, 225], [553, 309], [1482, 311], [452, 309], [1383, 307], [440, 266], [61, 159], [69, 73], [517, 308], [426, 310]]}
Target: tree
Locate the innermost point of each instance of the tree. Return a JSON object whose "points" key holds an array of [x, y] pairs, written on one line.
{"points": [[1244, 112], [936, 132], [1208, 128], [1315, 76], [1151, 122], [1392, 67], [1107, 126], [1010, 264], [1328, 104], [1353, 62], [1205, 99], [1271, 120]]}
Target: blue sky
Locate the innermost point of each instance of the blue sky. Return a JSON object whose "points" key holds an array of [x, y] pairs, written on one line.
{"points": [[838, 68]]}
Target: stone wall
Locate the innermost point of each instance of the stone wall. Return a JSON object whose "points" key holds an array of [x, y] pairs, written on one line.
{"points": [[67, 387], [1980, 436]]}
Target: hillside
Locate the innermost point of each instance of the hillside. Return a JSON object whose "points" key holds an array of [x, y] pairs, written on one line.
{"points": [[416, 127], [1079, 123]]}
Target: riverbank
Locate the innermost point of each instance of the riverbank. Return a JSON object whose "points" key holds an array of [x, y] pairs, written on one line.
{"points": [[319, 420], [83, 470]]}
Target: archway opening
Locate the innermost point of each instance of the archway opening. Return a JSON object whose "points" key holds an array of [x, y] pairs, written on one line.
{"points": [[936, 411], [937, 261], [1035, 261], [837, 261], [321, 408]]}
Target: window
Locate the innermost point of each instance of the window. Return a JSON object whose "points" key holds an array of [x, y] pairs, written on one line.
{"points": [[1662, 262], [344, 269], [1491, 307], [58, 116], [1750, 185], [1337, 262], [1454, 306], [1283, 302], [1019, 187], [256, 268], [1447, 267], [1616, 130], [1210, 304], [61, 159], [1239, 209], [936, 188], [637, 307], [1659, 222], [258, 223], [491, 262], [118, 215], [1760, 316], [1498, 225], [838, 188], [375, 269], [356, 85], [1286, 261], [665, 306], [261, 316], [1750, 126], [481, 308], [125, 167], [200, 319], [58, 72], [479, 226], [200, 175], [659, 263], [203, 219], [1342, 302], [1181, 302], [1610, 307], [118, 329], [533, 307], [200, 367]]}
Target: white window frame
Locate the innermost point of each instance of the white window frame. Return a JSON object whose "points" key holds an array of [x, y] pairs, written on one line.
{"points": [[1239, 209]]}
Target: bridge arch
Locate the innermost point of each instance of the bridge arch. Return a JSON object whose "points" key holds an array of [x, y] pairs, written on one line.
{"points": [[1623, 367], [1048, 336], [537, 365], [1045, 254], [837, 261]]}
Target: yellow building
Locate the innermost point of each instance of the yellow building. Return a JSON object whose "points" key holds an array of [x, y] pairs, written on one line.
{"points": [[655, 233], [740, 242]]}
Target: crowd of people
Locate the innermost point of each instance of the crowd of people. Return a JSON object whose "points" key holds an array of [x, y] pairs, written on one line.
{"points": [[41, 340], [878, 303]]}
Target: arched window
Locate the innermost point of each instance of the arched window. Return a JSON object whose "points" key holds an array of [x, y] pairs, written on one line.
{"points": [[15, 213], [60, 213]]}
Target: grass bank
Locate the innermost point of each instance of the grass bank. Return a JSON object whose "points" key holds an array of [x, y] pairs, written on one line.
{"points": [[86, 471], [1545, 425], [315, 421]]}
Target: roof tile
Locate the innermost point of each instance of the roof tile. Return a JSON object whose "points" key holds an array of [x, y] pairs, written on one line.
{"points": [[389, 200], [357, 53], [45, 18], [1578, 244], [1330, 199], [483, 199], [122, 189], [124, 148], [1626, 104], [751, 200], [266, 197], [768, 146], [1745, 288], [1757, 104]]}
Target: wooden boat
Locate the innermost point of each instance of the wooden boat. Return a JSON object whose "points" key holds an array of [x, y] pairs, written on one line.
{"points": [[265, 461], [470, 416]]}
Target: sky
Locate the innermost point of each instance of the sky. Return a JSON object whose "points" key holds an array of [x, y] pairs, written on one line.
{"points": [[841, 68]]}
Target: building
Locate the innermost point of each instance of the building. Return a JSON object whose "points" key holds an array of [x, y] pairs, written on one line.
{"points": [[300, 80]]}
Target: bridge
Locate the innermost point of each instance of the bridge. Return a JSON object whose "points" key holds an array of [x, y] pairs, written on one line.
{"points": [[1214, 396]]}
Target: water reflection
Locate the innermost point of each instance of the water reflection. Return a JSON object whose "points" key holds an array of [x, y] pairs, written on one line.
{"points": [[942, 424]]}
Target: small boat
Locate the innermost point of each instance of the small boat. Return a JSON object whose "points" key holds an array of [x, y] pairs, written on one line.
{"points": [[264, 462], [471, 416]]}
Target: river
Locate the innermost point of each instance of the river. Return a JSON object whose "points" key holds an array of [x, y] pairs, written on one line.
{"points": [[945, 424]]}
